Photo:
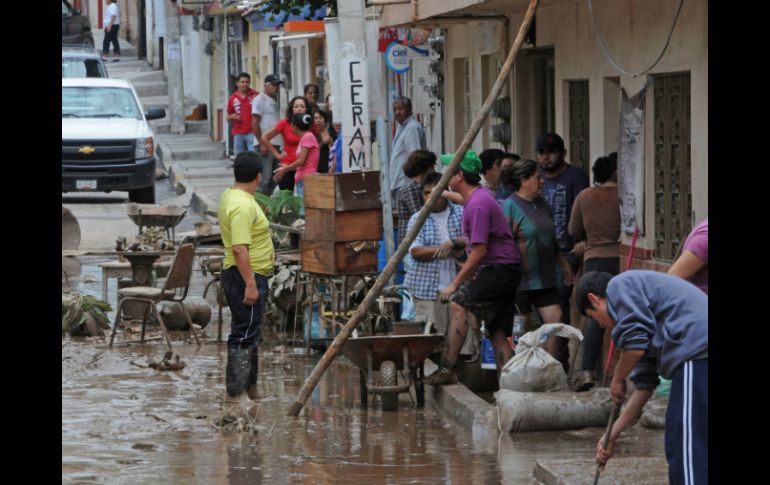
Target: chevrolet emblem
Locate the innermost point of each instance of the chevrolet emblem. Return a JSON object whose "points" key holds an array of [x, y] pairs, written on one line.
{"points": [[87, 150]]}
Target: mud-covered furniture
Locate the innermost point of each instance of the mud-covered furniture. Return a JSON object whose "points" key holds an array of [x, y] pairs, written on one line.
{"points": [[174, 289]]}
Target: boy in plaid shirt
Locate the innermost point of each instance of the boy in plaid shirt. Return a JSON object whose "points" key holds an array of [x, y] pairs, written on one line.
{"points": [[434, 265]]}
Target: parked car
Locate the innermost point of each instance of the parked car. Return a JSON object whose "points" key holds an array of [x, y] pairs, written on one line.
{"points": [[81, 62], [75, 27], [107, 143]]}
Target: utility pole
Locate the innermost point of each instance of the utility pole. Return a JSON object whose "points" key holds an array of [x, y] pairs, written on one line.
{"points": [[174, 70]]}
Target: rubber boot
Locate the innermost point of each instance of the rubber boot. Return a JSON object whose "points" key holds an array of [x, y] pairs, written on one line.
{"points": [[237, 402], [253, 371], [237, 373]]}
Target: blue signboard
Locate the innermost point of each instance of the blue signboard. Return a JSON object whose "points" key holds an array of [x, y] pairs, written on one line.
{"points": [[397, 57]]}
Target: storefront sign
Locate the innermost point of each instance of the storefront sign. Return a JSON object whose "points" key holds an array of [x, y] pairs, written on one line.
{"points": [[397, 58]]}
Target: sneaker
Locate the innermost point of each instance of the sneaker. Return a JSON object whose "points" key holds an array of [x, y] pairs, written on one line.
{"points": [[440, 377], [585, 381]]}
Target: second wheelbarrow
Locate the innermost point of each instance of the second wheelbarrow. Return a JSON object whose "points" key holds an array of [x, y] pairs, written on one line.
{"points": [[144, 215], [388, 355]]}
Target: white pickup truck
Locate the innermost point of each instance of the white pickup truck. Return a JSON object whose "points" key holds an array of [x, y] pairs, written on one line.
{"points": [[107, 143]]}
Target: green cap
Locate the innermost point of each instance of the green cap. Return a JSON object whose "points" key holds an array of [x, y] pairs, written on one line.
{"points": [[470, 163]]}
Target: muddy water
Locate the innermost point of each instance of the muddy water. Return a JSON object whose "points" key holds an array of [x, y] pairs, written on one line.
{"points": [[127, 424], [133, 425]]}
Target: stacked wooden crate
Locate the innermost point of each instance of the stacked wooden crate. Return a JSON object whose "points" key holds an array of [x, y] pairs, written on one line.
{"points": [[341, 209]]}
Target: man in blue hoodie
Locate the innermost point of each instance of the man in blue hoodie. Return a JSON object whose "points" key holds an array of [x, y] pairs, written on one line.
{"points": [[660, 323]]}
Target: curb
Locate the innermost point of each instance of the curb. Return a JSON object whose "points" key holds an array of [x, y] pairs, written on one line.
{"points": [[464, 407]]}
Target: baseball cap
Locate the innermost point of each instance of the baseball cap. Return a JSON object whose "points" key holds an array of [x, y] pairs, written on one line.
{"points": [[273, 79], [470, 163], [550, 142]]}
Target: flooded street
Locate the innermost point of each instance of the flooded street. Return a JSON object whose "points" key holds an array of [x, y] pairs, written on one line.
{"points": [[125, 423]]}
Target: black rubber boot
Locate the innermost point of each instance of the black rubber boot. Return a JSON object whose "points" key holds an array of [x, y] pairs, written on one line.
{"points": [[253, 372], [237, 372]]}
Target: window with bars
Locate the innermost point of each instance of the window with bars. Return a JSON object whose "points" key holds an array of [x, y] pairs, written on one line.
{"points": [[673, 179], [579, 125]]}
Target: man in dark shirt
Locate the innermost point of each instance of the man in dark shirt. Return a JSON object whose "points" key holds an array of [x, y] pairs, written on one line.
{"points": [[562, 183]]}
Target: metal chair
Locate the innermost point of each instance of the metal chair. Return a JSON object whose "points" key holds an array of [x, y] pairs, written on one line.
{"points": [[213, 265], [175, 289]]}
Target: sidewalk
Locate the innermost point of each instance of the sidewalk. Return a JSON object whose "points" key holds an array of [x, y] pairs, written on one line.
{"points": [[195, 164]]}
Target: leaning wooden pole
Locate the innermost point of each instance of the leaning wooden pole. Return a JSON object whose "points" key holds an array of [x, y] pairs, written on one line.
{"points": [[371, 296]]}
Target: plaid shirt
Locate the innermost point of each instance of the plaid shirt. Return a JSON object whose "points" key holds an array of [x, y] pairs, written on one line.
{"points": [[409, 202], [422, 278]]}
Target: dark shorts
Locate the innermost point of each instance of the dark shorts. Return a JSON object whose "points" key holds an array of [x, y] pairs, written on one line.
{"points": [[527, 299], [491, 296]]}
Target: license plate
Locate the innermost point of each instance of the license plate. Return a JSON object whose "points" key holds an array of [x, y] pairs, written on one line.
{"points": [[85, 184]]}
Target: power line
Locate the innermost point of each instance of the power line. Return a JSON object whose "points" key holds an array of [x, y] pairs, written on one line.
{"points": [[607, 55]]}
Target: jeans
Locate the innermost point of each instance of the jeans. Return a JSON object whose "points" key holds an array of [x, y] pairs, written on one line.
{"points": [[111, 36], [299, 191], [269, 164], [245, 327], [565, 292], [593, 337], [243, 143]]}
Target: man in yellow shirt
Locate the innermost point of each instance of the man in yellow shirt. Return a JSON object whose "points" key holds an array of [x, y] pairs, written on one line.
{"points": [[248, 262]]}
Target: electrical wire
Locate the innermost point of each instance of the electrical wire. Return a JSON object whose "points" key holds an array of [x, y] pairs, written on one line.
{"points": [[609, 58]]}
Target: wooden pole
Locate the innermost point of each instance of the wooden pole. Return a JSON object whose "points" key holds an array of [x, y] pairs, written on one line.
{"points": [[371, 296]]}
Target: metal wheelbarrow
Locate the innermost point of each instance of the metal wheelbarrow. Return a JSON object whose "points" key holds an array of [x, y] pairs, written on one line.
{"points": [[156, 216], [389, 354]]}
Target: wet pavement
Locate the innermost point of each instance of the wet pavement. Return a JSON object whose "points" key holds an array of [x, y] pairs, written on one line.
{"points": [[124, 423]]}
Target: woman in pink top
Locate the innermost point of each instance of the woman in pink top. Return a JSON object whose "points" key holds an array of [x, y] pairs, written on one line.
{"points": [[307, 153], [298, 104]]}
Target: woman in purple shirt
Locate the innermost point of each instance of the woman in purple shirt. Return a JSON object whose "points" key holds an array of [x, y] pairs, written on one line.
{"points": [[693, 263]]}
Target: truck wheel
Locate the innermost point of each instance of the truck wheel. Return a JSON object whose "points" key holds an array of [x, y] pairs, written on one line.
{"points": [[145, 195], [388, 378]]}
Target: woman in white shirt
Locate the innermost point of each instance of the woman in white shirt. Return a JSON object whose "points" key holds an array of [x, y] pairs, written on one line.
{"points": [[111, 27]]}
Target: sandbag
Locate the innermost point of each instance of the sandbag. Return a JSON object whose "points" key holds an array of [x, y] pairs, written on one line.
{"points": [[654, 414], [173, 317], [545, 411], [533, 369]]}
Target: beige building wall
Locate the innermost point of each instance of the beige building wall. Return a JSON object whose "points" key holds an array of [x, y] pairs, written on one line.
{"points": [[218, 93], [634, 32], [470, 41]]}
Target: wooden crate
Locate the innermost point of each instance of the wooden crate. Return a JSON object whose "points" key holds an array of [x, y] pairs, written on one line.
{"points": [[343, 191], [330, 225], [332, 258]]}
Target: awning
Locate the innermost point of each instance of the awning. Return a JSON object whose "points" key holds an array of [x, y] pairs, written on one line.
{"points": [[260, 21]]}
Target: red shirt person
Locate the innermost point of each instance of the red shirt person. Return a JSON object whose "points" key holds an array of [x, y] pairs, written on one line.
{"points": [[239, 114]]}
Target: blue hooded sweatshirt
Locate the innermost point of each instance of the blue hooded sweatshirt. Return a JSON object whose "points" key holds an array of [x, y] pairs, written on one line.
{"points": [[663, 315]]}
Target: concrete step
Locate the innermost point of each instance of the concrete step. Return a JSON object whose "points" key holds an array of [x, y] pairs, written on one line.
{"points": [[147, 76], [197, 127], [159, 101], [133, 71], [189, 147], [151, 88]]}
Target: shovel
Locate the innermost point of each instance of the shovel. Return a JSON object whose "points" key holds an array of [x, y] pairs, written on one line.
{"points": [[613, 416]]}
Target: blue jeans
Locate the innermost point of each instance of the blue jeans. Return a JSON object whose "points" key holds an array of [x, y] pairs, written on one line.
{"points": [[246, 321], [243, 143], [299, 191], [269, 164]]}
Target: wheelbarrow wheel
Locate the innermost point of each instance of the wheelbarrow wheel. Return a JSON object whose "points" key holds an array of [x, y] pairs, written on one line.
{"points": [[388, 378]]}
